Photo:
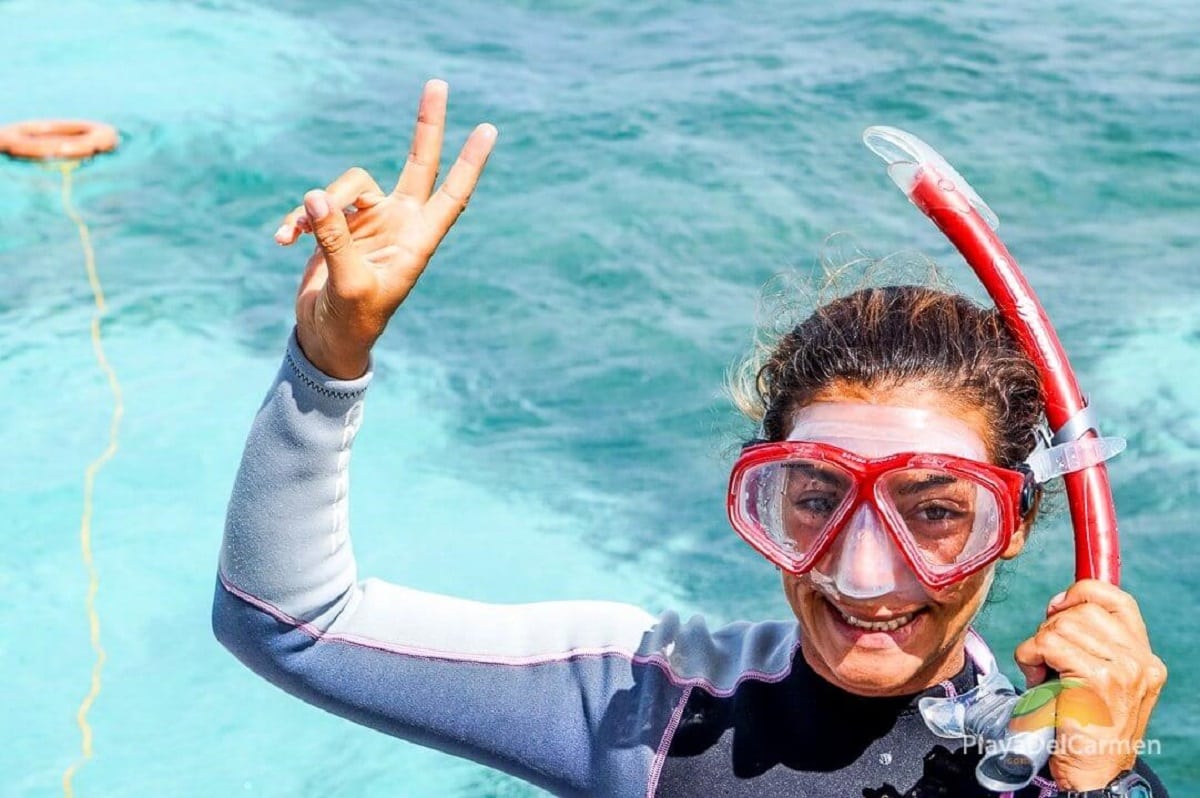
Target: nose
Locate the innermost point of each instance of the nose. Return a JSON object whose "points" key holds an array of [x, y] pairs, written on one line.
{"points": [[864, 562]]}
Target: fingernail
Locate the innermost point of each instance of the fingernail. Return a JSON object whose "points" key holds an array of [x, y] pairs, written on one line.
{"points": [[282, 233], [489, 131], [1058, 599], [316, 204]]}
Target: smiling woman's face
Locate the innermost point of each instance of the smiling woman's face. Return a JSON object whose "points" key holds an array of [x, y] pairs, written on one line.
{"points": [[927, 629]]}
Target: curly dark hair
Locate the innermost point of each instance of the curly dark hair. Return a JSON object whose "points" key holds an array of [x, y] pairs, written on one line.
{"points": [[887, 337]]}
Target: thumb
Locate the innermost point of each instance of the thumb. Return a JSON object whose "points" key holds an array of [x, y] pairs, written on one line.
{"points": [[1031, 662], [1034, 674], [332, 233]]}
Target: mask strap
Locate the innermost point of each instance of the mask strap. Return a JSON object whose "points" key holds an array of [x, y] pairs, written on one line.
{"points": [[755, 441]]}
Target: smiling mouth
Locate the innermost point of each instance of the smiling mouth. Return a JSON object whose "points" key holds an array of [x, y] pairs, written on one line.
{"points": [[878, 625]]}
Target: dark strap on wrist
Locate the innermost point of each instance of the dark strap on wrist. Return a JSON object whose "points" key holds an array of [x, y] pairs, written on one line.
{"points": [[1117, 788]]}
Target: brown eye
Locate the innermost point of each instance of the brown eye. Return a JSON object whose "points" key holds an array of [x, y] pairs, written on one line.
{"points": [[817, 505], [934, 513]]}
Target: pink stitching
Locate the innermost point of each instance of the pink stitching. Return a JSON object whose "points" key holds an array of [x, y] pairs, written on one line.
{"points": [[270, 609], [660, 756], [424, 653], [709, 687], [1048, 787], [948, 686], [535, 659]]}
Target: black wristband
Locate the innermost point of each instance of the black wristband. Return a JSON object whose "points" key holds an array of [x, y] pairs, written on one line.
{"points": [[1126, 785]]}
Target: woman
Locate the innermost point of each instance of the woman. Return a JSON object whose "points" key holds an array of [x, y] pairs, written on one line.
{"points": [[918, 394]]}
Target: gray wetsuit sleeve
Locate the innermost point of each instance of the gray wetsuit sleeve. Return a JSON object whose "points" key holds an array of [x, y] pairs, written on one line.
{"points": [[577, 697]]}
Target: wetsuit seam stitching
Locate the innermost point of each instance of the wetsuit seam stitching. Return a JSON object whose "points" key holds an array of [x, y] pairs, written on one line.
{"points": [[598, 652], [320, 635], [748, 676], [664, 747], [313, 385]]}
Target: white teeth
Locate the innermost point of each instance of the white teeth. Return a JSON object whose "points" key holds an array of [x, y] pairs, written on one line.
{"points": [[876, 626]]}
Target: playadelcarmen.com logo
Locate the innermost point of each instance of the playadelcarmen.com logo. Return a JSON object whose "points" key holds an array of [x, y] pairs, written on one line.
{"points": [[1042, 709]]}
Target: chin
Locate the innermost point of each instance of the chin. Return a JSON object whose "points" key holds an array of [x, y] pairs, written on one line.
{"points": [[872, 674]]}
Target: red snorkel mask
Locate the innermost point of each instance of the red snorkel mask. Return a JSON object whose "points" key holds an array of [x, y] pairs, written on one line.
{"points": [[945, 197]]}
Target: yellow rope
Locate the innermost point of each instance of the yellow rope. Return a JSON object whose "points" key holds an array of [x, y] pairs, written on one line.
{"points": [[89, 480]]}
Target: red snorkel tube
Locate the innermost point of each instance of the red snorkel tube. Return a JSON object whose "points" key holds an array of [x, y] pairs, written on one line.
{"points": [[945, 197]]}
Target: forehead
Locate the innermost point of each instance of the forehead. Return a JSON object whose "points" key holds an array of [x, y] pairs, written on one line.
{"points": [[877, 430]]}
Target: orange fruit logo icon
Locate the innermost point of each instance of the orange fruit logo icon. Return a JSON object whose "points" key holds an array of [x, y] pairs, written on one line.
{"points": [[1045, 705]]}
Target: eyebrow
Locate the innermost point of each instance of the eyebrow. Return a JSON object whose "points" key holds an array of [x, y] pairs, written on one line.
{"points": [[823, 475], [931, 481]]}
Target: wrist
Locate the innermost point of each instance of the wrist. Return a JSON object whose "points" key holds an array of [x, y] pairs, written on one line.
{"points": [[350, 364]]}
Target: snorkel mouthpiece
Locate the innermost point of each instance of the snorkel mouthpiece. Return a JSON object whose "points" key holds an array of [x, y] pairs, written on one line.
{"points": [[910, 160], [980, 717]]}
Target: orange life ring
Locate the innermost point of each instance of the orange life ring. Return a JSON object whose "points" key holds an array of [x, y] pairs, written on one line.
{"points": [[51, 139]]}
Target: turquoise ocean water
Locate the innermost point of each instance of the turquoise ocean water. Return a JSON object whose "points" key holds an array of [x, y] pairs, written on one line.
{"points": [[547, 421]]}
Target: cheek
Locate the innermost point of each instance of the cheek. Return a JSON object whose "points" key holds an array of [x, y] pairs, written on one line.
{"points": [[964, 600], [795, 590]]}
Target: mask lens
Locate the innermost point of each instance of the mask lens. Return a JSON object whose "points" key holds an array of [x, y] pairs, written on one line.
{"points": [[950, 518], [795, 502]]}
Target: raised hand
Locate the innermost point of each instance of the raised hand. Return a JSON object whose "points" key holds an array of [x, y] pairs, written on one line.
{"points": [[373, 246]]}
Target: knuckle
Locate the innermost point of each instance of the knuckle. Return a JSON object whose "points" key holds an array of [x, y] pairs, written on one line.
{"points": [[416, 159], [356, 173], [1066, 624], [1156, 673], [1050, 639], [1027, 651], [332, 240]]}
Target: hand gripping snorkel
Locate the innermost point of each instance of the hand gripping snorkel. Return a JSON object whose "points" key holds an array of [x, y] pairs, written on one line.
{"points": [[1012, 759]]}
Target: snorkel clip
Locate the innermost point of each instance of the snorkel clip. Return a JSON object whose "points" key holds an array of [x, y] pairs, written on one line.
{"points": [[1077, 426]]}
